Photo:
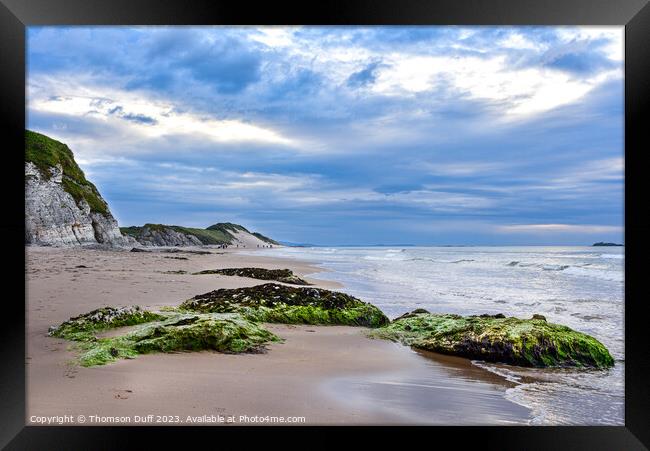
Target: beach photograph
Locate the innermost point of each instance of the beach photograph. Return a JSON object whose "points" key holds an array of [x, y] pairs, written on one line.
{"points": [[324, 225]]}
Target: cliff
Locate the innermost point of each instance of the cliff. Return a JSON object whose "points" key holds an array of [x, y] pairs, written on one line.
{"points": [[217, 234], [61, 206]]}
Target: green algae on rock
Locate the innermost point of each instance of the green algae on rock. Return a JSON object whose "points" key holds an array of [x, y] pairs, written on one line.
{"points": [[83, 327], [228, 333], [279, 275], [277, 303], [524, 342]]}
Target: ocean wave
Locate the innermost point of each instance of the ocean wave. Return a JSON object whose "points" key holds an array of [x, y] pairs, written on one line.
{"points": [[602, 274], [471, 281], [618, 256], [578, 300], [588, 317], [423, 259], [554, 267], [552, 394], [387, 257], [505, 373], [545, 267], [524, 265]]}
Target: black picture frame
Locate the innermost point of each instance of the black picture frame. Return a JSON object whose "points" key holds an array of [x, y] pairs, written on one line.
{"points": [[15, 15]]}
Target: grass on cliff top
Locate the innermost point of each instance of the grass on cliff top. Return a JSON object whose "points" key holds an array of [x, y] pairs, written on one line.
{"points": [[227, 227], [215, 234], [206, 236], [45, 153], [264, 238]]}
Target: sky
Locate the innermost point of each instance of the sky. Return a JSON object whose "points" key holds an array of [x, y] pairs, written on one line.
{"points": [[345, 135]]}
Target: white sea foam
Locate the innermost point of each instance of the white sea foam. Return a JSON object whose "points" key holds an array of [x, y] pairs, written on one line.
{"points": [[617, 256], [580, 287]]}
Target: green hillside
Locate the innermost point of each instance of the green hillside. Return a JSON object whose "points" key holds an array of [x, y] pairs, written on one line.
{"points": [[47, 153], [221, 233]]}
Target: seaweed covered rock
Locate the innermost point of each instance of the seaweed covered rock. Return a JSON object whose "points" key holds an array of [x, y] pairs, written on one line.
{"points": [[524, 342], [173, 332], [219, 332], [277, 303], [279, 275], [415, 312], [83, 327]]}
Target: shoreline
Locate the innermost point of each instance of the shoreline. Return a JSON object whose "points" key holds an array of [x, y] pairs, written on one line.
{"points": [[310, 374]]}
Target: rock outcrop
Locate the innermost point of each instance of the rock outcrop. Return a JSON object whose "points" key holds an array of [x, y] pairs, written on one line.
{"points": [[496, 338], [161, 235], [228, 320], [61, 206], [277, 303], [279, 275], [159, 332]]}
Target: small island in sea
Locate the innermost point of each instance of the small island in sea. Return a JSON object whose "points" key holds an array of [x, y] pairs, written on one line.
{"points": [[601, 243]]}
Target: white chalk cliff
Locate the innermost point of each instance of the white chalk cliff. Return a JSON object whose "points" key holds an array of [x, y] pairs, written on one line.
{"points": [[53, 216]]}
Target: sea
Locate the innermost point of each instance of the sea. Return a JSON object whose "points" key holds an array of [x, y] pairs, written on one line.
{"points": [[580, 287]]}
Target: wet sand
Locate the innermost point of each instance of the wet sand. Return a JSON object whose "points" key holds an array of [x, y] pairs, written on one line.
{"points": [[326, 374]]}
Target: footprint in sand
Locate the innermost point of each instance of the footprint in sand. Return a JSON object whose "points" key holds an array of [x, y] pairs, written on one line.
{"points": [[122, 394]]}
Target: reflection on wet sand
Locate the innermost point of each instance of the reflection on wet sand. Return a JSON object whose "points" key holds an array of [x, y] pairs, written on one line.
{"points": [[439, 390]]}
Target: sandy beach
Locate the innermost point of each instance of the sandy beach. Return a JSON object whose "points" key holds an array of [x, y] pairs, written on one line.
{"points": [[318, 375]]}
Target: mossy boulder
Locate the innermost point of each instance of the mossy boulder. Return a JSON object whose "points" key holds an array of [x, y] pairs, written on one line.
{"points": [[524, 342], [279, 275], [228, 333], [277, 303], [83, 327], [165, 332]]}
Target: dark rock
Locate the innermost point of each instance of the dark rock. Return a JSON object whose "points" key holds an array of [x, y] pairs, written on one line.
{"points": [[524, 342], [415, 312], [279, 275], [498, 315], [83, 327], [292, 305]]}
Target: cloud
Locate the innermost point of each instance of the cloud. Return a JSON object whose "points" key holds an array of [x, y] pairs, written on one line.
{"points": [[522, 91], [358, 133], [365, 76], [227, 65], [150, 117], [465, 169]]}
